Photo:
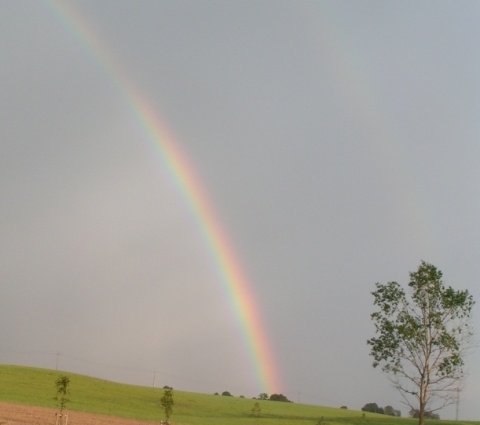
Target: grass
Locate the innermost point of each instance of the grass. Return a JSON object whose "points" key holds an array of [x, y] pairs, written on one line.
{"points": [[36, 387]]}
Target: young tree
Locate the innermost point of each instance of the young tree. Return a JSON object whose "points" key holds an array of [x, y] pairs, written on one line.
{"points": [[167, 403], [421, 342], [256, 410], [62, 384]]}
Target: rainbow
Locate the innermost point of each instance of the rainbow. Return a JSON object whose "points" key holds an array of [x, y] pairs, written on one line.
{"points": [[237, 286], [363, 102]]}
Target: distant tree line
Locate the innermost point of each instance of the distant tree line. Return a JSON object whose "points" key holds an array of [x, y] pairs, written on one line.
{"points": [[262, 396], [274, 397], [387, 410]]}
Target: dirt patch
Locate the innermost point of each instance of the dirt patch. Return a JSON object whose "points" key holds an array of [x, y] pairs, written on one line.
{"points": [[14, 414]]}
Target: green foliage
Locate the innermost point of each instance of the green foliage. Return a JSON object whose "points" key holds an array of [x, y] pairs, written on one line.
{"points": [[263, 396], [167, 403], [421, 339], [226, 394], [62, 383]]}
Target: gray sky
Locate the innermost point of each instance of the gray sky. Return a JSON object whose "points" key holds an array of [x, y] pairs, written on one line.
{"points": [[337, 141]]}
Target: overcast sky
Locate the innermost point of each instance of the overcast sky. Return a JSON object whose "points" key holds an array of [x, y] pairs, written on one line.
{"points": [[337, 141]]}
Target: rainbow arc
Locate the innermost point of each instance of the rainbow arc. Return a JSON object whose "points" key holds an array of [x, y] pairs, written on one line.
{"points": [[236, 284]]}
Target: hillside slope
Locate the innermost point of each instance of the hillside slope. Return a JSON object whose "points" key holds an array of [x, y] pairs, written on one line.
{"points": [[36, 387]]}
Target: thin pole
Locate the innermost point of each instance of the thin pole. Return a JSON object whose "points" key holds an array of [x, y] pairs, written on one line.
{"points": [[458, 404], [56, 364], [154, 376]]}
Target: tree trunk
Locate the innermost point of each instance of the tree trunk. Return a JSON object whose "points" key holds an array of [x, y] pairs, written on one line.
{"points": [[422, 404], [421, 416]]}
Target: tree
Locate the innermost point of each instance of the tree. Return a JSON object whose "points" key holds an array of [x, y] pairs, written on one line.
{"points": [[263, 396], [167, 403], [375, 408], [390, 411], [372, 407], [226, 394], [62, 384], [279, 397], [422, 341], [414, 413]]}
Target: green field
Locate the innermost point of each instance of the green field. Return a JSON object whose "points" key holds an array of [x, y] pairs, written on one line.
{"points": [[36, 387]]}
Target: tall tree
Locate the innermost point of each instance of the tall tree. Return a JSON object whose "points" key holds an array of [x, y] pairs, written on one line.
{"points": [[421, 342]]}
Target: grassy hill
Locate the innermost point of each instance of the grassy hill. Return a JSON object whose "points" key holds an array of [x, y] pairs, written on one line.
{"points": [[36, 387]]}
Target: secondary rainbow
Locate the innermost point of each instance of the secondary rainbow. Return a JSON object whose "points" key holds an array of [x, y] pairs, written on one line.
{"points": [[233, 278]]}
